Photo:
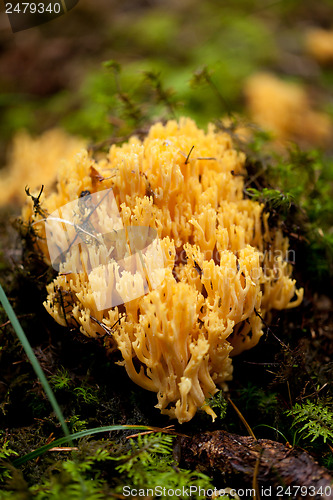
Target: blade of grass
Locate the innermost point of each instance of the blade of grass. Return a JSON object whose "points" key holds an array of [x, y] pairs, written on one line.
{"points": [[33, 360], [77, 435], [273, 429]]}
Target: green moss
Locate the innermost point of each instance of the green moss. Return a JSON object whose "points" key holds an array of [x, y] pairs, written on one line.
{"points": [[218, 403], [61, 380]]}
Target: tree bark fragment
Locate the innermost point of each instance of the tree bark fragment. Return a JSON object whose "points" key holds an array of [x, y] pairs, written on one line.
{"points": [[232, 460]]}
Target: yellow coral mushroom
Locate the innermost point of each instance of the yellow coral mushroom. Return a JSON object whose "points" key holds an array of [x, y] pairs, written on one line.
{"points": [[34, 161], [224, 269], [284, 108], [319, 44]]}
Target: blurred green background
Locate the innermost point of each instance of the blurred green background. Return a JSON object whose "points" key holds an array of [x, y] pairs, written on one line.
{"points": [[53, 74]]}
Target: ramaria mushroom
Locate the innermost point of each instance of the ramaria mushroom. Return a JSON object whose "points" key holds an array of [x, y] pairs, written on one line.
{"points": [[285, 109], [35, 161], [219, 279]]}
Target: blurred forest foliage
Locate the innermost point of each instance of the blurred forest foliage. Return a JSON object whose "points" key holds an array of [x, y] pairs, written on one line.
{"points": [[107, 69], [53, 74]]}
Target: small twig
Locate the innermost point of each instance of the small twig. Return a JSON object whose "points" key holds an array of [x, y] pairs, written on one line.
{"points": [[255, 484], [248, 428], [291, 401], [105, 328], [49, 440], [261, 364], [166, 430], [64, 448], [206, 158], [188, 156], [271, 331], [313, 393], [148, 432], [19, 317], [62, 305]]}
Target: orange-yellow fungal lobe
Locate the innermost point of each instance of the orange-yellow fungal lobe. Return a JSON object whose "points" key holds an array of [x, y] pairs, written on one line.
{"points": [[176, 338]]}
